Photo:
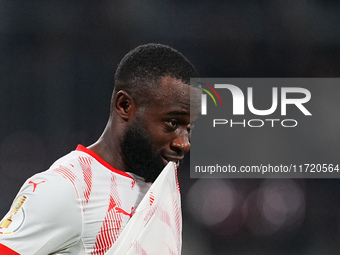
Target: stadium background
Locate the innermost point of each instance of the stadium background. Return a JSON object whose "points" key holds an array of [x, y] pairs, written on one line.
{"points": [[56, 74]]}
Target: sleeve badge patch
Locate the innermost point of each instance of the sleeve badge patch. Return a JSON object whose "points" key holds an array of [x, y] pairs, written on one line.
{"points": [[14, 218]]}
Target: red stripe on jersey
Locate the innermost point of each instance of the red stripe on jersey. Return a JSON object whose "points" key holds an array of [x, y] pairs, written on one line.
{"points": [[177, 212], [112, 223], [151, 212], [171, 252], [139, 248], [165, 217], [101, 161], [85, 164], [152, 198], [67, 174], [177, 183], [5, 250]]}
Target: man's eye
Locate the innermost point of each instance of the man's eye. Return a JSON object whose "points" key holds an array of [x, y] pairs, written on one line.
{"points": [[173, 123]]}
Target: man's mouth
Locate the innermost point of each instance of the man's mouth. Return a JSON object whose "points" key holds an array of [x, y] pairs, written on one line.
{"points": [[175, 160]]}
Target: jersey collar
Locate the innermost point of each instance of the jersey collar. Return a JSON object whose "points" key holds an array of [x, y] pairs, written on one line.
{"points": [[101, 161]]}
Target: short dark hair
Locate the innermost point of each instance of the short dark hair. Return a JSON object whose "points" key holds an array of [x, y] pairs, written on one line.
{"points": [[145, 65]]}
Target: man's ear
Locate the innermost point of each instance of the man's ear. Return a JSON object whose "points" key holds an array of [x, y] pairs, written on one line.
{"points": [[124, 105]]}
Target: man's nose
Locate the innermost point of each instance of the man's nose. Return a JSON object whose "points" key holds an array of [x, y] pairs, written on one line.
{"points": [[182, 142]]}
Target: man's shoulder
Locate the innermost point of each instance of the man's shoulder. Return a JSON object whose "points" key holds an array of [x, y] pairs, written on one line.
{"points": [[68, 160], [71, 165], [83, 171], [64, 174]]}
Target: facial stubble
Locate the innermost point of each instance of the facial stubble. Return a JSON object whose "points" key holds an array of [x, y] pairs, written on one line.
{"points": [[139, 153]]}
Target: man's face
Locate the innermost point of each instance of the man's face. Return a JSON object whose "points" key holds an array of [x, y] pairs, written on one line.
{"points": [[160, 133]]}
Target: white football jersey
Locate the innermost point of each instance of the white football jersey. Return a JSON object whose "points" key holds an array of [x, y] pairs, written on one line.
{"points": [[79, 206]]}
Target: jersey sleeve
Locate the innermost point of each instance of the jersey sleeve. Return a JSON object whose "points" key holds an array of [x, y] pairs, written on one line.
{"points": [[44, 218]]}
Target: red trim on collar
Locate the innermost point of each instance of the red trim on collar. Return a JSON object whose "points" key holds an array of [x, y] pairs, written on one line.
{"points": [[5, 250], [101, 161]]}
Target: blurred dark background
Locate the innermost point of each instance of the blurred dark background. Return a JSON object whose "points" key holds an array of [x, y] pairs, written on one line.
{"points": [[57, 62]]}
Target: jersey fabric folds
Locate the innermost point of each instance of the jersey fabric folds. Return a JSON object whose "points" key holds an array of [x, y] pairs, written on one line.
{"points": [[156, 226], [79, 206]]}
